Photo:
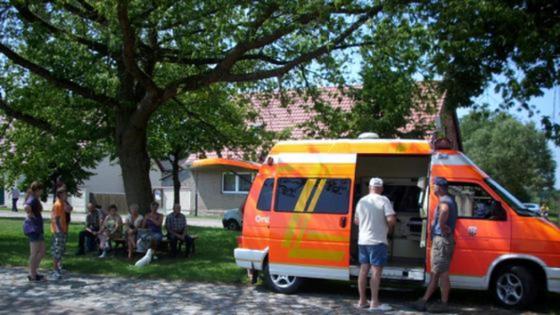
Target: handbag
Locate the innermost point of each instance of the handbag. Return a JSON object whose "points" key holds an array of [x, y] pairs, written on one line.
{"points": [[30, 227]]}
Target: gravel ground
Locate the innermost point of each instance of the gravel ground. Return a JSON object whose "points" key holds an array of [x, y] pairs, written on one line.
{"points": [[87, 294]]}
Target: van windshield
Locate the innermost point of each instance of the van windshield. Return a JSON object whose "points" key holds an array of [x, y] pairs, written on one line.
{"points": [[510, 199]]}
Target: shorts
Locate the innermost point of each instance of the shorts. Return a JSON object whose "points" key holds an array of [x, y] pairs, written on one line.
{"points": [[441, 253], [58, 245], [158, 237], [375, 255], [36, 237]]}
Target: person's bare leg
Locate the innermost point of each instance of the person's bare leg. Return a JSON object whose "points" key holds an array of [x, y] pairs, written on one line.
{"points": [[41, 253], [374, 283], [362, 282], [33, 253], [445, 286], [130, 243], [434, 279]]}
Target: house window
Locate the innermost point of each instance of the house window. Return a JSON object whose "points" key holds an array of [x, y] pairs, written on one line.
{"points": [[236, 183]]}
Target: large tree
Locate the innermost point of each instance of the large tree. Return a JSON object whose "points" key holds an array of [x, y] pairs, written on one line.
{"points": [[127, 58], [515, 154]]}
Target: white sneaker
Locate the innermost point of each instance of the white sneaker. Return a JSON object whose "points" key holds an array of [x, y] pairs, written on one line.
{"points": [[381, 308], [103, 255]]}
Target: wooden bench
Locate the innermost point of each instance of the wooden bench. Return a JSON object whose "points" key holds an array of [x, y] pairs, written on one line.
{"points": [[163, 245]]}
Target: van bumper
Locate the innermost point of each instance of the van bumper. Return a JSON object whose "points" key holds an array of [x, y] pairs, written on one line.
{"points": [[250, 258], [553, 279]]}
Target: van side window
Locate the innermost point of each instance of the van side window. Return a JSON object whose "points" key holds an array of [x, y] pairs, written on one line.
{"points": [[473, 202], [265, 197], [317, 195]]}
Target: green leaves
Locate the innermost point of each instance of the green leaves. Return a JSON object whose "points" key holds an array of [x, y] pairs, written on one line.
{"points": [[513, 153]]}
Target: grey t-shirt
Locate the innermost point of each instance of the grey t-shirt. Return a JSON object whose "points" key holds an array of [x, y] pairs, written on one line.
{"points": [[451, 220], [372, 211]]}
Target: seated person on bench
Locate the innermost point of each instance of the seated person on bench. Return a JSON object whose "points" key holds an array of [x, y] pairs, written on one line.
{"points": [[89, 234], [110, 229], [176, 225], [132, 222], [153, 222]]}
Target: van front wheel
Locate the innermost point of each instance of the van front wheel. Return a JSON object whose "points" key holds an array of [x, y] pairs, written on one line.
{"points": [[281, 283], [514, 287]]}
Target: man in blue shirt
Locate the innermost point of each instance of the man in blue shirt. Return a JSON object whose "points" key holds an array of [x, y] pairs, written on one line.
{"points": [[443, 244]]}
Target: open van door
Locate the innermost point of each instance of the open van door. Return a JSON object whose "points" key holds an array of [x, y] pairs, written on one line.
{"points": [[483, 229]]}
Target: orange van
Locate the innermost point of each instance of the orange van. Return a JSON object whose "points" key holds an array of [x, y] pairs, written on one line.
{"points": [[299, 212]]}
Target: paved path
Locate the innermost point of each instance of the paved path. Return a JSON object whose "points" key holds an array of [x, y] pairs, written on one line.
{"points": [[81, 217], [81, 294]]}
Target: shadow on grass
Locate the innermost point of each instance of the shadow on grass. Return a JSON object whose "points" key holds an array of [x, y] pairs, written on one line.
{"points": [[213, 260]]}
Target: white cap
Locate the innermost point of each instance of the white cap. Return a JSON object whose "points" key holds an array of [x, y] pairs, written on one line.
{"points": [[376, 182]]}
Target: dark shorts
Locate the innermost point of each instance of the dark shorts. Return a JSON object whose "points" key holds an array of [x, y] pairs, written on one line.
{"points": [[375, 255], [38, 237], [441, 254]]}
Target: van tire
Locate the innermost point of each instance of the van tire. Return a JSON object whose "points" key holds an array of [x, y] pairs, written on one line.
{"points": [[281, 283], [514, 287], [232, 225]]}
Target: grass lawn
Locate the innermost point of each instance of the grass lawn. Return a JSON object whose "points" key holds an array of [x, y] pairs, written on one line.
{"points": [[212, 262]]}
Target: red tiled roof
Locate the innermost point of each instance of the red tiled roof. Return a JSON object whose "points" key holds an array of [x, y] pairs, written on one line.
{"points": [[278, 116]]}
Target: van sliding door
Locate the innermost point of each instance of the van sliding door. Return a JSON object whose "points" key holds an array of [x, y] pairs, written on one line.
{"points": [[310, 227]]}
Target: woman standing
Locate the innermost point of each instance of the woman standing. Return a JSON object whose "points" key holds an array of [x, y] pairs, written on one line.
{"points": [[33, 229], [110, 229], [132, 222]]}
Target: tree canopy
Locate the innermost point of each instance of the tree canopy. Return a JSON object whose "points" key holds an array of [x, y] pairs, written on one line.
{"points": [[114, 64], [513, 153], [124, 59]]}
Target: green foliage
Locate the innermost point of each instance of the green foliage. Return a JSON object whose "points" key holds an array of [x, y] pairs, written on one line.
{"points": [[58, 148], [513, 153], [392, 63], [512, 43], [212, 119], [213, 261]]}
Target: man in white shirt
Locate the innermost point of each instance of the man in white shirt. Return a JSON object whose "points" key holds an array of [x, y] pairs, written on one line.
{"points": [[375, 217]]}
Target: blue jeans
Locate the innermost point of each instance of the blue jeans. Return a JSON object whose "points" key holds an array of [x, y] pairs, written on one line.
{"points": [[375, 255]]}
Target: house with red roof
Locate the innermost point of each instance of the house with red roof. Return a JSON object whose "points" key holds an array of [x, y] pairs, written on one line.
{"points": [[211, 185]]}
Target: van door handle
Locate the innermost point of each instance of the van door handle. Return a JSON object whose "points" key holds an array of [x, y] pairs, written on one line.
{"points": [[342, 222], [472, 230]]}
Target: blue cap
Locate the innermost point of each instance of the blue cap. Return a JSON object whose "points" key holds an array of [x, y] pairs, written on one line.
{"points": [[440, 181]]}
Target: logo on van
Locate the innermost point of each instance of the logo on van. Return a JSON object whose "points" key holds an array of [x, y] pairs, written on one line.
{"points": [[262, 219]]}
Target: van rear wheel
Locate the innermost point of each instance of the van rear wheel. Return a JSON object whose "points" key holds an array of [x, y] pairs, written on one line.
{"points": [[514, 287], [281, 283]]}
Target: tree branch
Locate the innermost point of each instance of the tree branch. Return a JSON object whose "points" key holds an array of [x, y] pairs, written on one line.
{"points": [[26, 118], [175, 58], [279, 71], [129, 49], [90, 12], [60, 82], [31, 17]]}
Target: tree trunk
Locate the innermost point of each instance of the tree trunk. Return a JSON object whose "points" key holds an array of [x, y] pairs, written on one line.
{"points": [[176, 181], [135, 162]]}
